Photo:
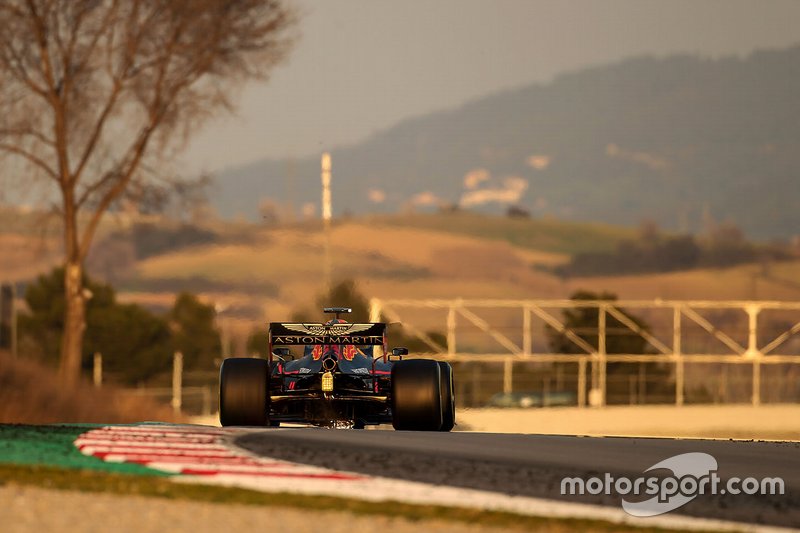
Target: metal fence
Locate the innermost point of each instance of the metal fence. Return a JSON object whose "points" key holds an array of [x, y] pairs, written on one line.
{"points": [[696, 351], [192, 393], [501, 351]]}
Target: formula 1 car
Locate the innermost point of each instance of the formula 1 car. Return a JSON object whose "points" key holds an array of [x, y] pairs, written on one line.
{"points": [[336, 374]]}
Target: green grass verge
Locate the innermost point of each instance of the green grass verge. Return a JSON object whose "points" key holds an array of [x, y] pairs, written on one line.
{"points": [[54, 445], [133, 484], [549, 235]]}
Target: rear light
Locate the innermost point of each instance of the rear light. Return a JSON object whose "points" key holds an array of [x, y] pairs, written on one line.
{"points": [[327, 382]]}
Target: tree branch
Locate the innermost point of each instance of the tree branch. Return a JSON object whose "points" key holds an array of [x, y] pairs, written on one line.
{"points": [[97, 131], [13, 62], [40, 30], [55, 92], [29, 132], [137, 152], [13, 149]]}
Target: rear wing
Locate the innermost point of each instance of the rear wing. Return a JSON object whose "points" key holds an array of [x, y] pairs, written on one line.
{"points": [[304, 334]]}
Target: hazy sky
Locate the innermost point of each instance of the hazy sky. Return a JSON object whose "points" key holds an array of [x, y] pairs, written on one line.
{"points": [[363, 65]]}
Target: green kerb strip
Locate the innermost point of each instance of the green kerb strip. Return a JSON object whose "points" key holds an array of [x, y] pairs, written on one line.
{"points": [[53, 445]]}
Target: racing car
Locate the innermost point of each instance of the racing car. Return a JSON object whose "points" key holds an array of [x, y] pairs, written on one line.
{"points": [[336, 374]]}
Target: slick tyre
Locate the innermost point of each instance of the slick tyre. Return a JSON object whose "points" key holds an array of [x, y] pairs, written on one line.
{"points": [[243, 392], [448, 399], [416, 395]]}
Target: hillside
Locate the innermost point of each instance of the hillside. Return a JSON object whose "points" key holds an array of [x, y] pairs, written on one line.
{"points": [[674, 139], [547, 235], [253, 273], [275, 270]]}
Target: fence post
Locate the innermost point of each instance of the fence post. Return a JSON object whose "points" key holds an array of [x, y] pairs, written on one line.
{"points": [[601, 348], [582, 382], [527, 339], [177, 381], [756, 382], [678, 354], [752, 330], [207, 401], [476, 385], [753, 351], [451, 330], [508, 375], [723, 383], [641, 390], [97, 370]]}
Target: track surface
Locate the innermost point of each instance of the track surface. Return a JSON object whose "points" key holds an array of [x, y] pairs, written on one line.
{"points": [[533, 465]]}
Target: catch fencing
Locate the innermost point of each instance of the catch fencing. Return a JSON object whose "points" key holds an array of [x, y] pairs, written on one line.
{"points": [[691, 351]]}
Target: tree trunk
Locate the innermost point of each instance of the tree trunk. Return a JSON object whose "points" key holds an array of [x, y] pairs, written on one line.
{"points": [[74, 325], [74, 300]]}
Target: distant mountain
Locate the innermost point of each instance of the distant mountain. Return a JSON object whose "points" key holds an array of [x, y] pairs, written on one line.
{"points": [[678, 140]]}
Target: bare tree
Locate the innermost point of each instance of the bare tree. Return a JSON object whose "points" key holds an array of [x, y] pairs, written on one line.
{"points": [[95, 93]]}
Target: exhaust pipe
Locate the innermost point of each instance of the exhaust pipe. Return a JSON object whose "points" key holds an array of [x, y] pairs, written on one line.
{"points": [[329, 364]]}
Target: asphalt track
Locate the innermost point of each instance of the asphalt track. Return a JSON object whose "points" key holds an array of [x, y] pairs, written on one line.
{"points": [[534, 465]]}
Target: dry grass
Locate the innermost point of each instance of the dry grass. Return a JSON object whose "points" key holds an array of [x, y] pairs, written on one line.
{"points": [[359, 250], [30, 394], [393, 258], [744, 282], [387, 262]]}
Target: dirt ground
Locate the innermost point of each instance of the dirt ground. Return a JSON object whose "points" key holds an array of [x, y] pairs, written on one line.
{"points": [[30, 509]]}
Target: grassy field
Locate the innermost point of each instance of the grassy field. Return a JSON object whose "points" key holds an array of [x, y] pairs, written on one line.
{"points": [[550, 235], [395, 257], [386, 262]]}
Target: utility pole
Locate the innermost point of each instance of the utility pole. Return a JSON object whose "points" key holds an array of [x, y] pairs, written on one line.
{"points": [[326, 218], [290, 190]]}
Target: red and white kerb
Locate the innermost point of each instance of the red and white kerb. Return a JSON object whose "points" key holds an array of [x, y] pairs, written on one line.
{"points": [[191, 451]]}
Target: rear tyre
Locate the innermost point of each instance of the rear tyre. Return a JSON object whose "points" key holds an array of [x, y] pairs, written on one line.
{"points": [[243, 392], [448, 399], [416, 396]]}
